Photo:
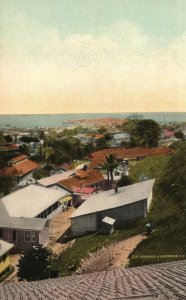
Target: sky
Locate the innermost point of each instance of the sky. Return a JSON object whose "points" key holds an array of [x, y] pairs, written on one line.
{"points": [[80, 56]]}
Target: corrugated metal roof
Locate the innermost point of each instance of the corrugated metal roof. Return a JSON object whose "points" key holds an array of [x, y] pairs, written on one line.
{"points": [[51, 180], [23, 223], [30, 201], [109, 199], [109, 220]]}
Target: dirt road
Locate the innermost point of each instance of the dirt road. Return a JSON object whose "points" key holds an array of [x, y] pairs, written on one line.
{"points": [[113, 256]]}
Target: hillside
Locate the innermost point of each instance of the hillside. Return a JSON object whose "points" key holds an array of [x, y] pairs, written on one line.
{"points": [[150, 167], [168, 213]]}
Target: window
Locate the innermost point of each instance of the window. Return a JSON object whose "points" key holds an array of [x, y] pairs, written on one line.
{"points": [[29, 236]]}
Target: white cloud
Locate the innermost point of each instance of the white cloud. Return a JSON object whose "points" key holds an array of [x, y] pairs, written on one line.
{"points": [[124, 63]]}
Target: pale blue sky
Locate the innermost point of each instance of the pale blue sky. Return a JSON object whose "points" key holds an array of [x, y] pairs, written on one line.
{"points": [[162, 18], [124, 53]]}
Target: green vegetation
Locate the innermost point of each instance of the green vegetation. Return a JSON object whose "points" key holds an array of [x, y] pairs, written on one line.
{"points": [[91, 243], [150, 167], [143, 133], [168, 213], [6, 185], [109, 165], [179, 135], [36, 264], [124, 181], [43, 172]]}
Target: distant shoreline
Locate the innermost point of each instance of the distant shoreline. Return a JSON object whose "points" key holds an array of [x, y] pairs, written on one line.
{"points": [[29, 121]]}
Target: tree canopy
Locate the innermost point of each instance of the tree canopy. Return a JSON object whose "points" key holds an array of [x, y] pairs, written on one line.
{"points": [[109, 165], [144, 133], [35, 264]]}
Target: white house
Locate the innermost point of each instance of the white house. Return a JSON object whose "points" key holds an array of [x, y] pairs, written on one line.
{"points": [[130, 202]]}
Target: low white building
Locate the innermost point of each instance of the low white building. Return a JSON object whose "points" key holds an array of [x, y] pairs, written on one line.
{"points": [[119, 138], [23, 215], [130, 202]]}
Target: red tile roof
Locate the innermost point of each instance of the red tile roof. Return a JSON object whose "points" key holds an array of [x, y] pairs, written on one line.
{"points": [[9, 147], [18, 158], [64, 166], [20, 169], [168, 133], [93, 177], [97, 158], [95, 136], [83, 190], [81, 174]]}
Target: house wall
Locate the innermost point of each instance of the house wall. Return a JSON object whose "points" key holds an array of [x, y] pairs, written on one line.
{"points": [[123, 213], [83, 224], [4, 262], [92, 222], [20, 238], [44, 234]]}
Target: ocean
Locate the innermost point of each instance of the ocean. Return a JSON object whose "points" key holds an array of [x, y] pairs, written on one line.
{"points": [[61, 120]]}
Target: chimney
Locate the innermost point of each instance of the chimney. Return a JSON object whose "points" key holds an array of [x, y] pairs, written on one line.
{"points": [[116, 189]]}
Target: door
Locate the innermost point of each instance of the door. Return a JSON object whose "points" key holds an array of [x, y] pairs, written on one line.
{"points": [[14, 236]]}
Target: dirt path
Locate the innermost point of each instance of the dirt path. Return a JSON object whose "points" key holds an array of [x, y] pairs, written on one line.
{"points": [[113, 256], [59, 230]]}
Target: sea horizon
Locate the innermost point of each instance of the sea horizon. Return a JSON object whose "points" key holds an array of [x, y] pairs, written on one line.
{"points": [[30, 121]]}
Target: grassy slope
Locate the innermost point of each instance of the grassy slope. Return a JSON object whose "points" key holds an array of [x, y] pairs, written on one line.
{"points": [[168, 212], [91, 243], [168, 239], [150, 167]]}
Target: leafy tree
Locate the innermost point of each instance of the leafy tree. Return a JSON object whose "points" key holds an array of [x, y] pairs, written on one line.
{"points": [[124, 181], [35, 264], [109, 165], [173, 180], [149, 132], [102, 129], [24, 149], [41, 135], [2, 140], [41, 173], [143, 132], [8, 138], [29, 139], [102, 144], [179, 135], [108, 136], [6, 185], [46, 152]]}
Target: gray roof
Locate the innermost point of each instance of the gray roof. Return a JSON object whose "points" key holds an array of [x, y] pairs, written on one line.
{"points": [[161, 281], [51, 180], [30, 201], [19, 223], [23, 223], [109, 220], [5, 247], [109, 199]]}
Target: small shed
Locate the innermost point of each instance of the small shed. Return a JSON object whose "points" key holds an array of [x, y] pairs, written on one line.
{"points": [[107, 225]]}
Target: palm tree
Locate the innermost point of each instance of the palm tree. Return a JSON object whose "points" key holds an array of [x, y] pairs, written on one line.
{"points": [[46, 152], [109, 165]]}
